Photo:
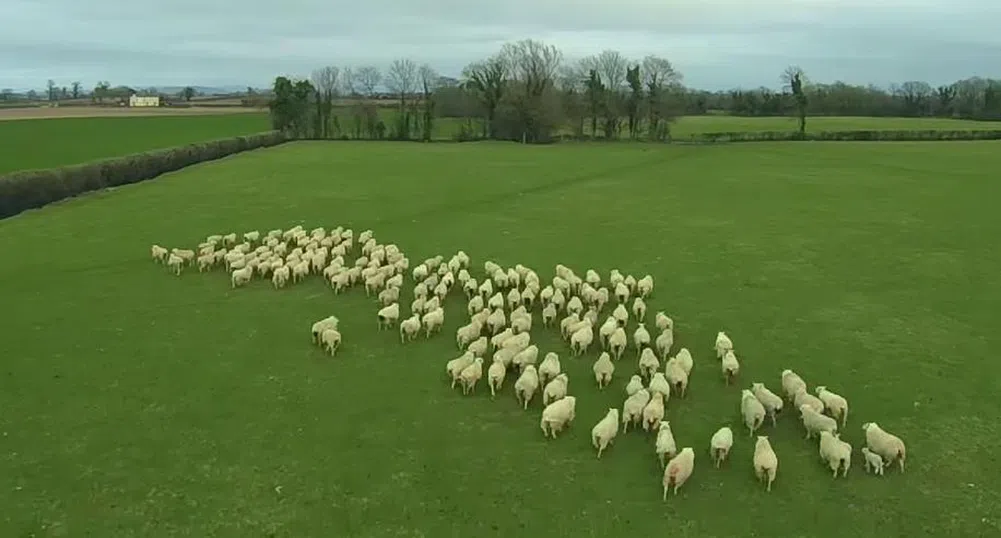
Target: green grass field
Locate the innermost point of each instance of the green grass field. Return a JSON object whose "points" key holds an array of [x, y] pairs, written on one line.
{"points": [[53, 142], [136, 403]]}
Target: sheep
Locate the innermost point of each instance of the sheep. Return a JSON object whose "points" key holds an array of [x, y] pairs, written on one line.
{"points": [[621, 293], [471, 288], [555, 389], [176, 263], [431, 304], [639, 309], [723, 344], [766, 463], [479, 346], [559, 300], [603, 370], [527, 356], [331, 340], [158, 253], [280, 276], [815, 422], [474, 305], [888, 446], [659, 384], [684, 359], [526, 385], [185, 254], [489, 267], [229, 239], [834, 404], [791, 384], [528, 297], [470, 375], [374, 283], [486, 289], [242, 276], [835, 452], [557, 415], [752, 411], [420, 272], [505, 355], [565, 324], [388, 315], [601, 298], [495, 376], [574, 305], [561, 285], [676, 375], [653, 412], [592, 277], [641, 339], [548, 315], [517, 342], [432, 321], [329, 322], [546, 295], [678, 470], [513, 298], [496, 321], [465, 334], [300, 271], [498, 339], [720, 445], [664, 342], [603, 433], [389, 296], [873, 461], [581, 339], [648, 363], [634, 385], [463, 259], [455, 366], [409, 328], [617, 342], [632, 408], [771, 402], [549, 368], [665, 446], [521, 323], [644, 286], [495, 302], [730, 366], [805, 398]]}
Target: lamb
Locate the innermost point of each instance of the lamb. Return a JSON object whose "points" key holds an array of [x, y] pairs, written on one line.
{"points": [[526, 385], [495, 376], [479, 346], [659, 384], [653, 412], [791, 384], [888, 446], [664, 342], [836, 405], [280, 276], [752, 411], [720, 445], [557, 415], [331, 340], [470, 375], [549, 368], [873, 461], [409, 328], [766, 463], [835, 452], [621, 315], [771, 402], [432, 321], [648, 363], [581, 340], [158, 253], [634, 385], [176, 263], [617, 342], [604, 432], [678, 470], [621, 293], [555, 389], [632, 408], [644, 286], [641, 339], [388, 315], [815, 422], [665, 446], [329, 322], [639, 309], [730, 366], [525, 357], [603, 370], [723, 344], [805, 398]]}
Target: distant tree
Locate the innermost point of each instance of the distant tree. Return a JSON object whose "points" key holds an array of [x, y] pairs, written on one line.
{"points": [[945, 95], [187, 93], [53, 91], [367, 79], [429, 81], [101, 90], [290, 106], [250, 91], [7, 94], [32, 95], [64, 93], [401, 79], [76, 90], [326, 82], [635, 98], [795, 80], [487, 81], [660, 78]]}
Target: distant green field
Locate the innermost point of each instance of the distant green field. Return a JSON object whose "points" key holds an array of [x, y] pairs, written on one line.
{"points": [[47, 143], [690, 125]]}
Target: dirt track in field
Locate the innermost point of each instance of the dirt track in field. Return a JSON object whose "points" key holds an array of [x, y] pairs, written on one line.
{"points": [[95, 112]]}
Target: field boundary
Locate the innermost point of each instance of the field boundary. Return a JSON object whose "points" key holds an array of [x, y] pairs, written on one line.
{"points": [[31, 189]]}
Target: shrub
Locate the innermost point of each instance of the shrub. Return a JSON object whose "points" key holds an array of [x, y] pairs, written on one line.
{"points": [[29, 189]]}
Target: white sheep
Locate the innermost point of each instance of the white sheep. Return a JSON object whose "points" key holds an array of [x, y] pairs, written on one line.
{"points": [[517, 342], [720, 445], [528, 297], [653, 412], [805, 398], [475, 305], [617, 342], [521, 323], [678, 470], [389, 296], [559, 300], [621, 293], [601, 298], [479, 346], [730, 366], [815, 422], [432, 321], [632, 408], [546, 295], [676, 375], [723, 344], [463, 259], [648, 363], [409, 328], [771, 402], [526, 385], [644, 286], [565, 324], [665, 446], [873, 461], [329, 322], [465, 334], [581, 339], [639, 309], [527, 356], [549, 368], [888, 446], [498, 339], [684, 359], [486, 289], [548, 314], [641, 339], [388, 315], [834, 404], [505, 355], [615, 277], [555, 389], [331, 340], [592, 277], [791, 384], [766, 462], [634, 385], [603, 370], [513, 298], [470, 375], [604, 432], [280, 276], [557, 415], [835, 452], [420, 272], [176, 263], [159, 254], [664, 342], [495, 302], [240, 277], [495, 376], [659, 383], [752, 411]]}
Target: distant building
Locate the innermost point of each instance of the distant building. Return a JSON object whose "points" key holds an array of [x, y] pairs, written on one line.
{"points": [[144, 100]]}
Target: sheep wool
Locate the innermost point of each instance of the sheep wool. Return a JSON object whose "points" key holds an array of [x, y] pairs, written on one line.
{"points": [[479, 346], [664, 342], [550, 367], [663, 322], [409, 329], [665, 446], [752, 411], [684, 359], [834, 404], [766, 462], [837, 453], [641, 339], [888, 446], [603, 370], [592, 277], [639, 308], [525, 357], [557, 415], [621, 315], [526, 385], [634, 385], [329, 322], [470, 375], [617, 342], [574, 305], [873, 461], [648, 363], [331, 340], [791, 384], [771, 401], [175, 263], [644, 286], [653, 412], [678, 470], [723, 344], [388, 315], [632, 408], [604, 432], [581, 340], [815, 422], [805, 398], [659, 384], [730, 366], [158, 253], [720, 445], [432, 321], [676, 376], [242, 276]]}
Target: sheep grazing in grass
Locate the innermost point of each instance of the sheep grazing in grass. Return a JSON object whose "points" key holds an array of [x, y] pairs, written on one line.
{"points": [[730, 366], [331, 340], [605, 431], [648, 363], [526, 385], [678, 470], [388, 315], [873, 461], [557, 415], [834, 404], [802, 397], [555, 389], [280, 277], [720, 445], [752, 411], [663, 322], [653, 412], [621, 293], [835, 452], [792, 384], [455, 366], [676, 375], [470, 375], [664, 342], [175, 263], [665, 446], [432, 321], [495, 376], [771, 402], [549, 368], [409, 328], [888, 446], [159, 254], [766, 463], [644, 286], [581, 339], [603, 369], [632, 408], [617, 342], [659, 384], [621, 315], [479, 346], [723, 344], [525, 357], [329, 322], [815, 422]]}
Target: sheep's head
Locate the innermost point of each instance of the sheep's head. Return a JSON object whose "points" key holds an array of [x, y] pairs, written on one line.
{"points": [[819, 389], [757, 386], [787, 373], [869, 425], [805, 408]]}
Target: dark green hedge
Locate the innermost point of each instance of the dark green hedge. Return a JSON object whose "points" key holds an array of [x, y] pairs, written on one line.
{"points": [[842, 136], [29, 189]]}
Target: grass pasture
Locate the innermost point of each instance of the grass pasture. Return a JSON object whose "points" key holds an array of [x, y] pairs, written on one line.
{"points": [[49, 143], [135, 403]]}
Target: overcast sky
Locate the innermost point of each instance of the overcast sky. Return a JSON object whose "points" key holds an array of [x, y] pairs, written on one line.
{"points": [[716, 44]]}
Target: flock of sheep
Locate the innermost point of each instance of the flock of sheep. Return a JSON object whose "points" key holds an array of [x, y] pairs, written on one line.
{"points": [[500, 310]]}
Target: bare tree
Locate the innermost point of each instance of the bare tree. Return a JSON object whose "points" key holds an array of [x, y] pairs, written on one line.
{"points": [[660, 79], [429, 82], [348, 83], [367, 78], [795, 81], [50, 86], [487, 80], [533, 67], [76, 90], [401, 79], [325, 82], [611, 67], [572, 81], [325, 79]]}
